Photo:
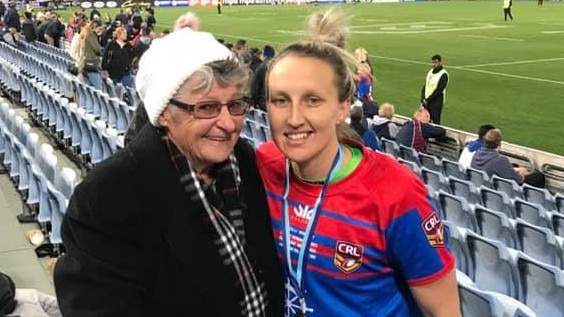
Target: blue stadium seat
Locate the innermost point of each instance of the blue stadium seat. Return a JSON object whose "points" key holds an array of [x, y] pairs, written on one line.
{"points": [[457, 210], [430, 161], [435, 180], [411, 165], [542, 287], [466, 189], [539, 196], [409, 154], [453, 168], [539, 243], [497, 200], [509, 186], [559, 202], [558, 223], [390, 147], [495, 225], [477, 303], [458, 246], [493, 266], [532, 213]]}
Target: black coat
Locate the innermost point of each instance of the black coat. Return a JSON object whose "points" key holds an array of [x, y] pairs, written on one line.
{"points": [[136, 247], [29, 31]]}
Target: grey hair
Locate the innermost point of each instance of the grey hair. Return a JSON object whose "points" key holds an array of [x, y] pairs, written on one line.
{"points": [[228, 72]]}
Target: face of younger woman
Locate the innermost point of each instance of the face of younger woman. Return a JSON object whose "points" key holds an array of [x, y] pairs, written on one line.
{"points": [[304, 110]]}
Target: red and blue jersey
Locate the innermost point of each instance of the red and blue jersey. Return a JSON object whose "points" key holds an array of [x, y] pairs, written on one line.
{"points": [[376, 235]]}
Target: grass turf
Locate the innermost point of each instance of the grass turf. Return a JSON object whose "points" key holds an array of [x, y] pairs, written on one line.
{"points": [[510, 74]]}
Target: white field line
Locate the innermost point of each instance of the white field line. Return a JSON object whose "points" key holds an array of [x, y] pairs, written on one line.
{"points": [[531, 61], [509, 75], [362, 26], [552, 32], [433, 30], [493, 38], [414, 62], [464, 68]]}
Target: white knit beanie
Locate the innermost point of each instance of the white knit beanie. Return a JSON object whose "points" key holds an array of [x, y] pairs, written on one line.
{"points": [[169, 62]]}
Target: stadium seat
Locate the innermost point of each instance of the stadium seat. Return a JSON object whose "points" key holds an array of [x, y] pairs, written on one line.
{"points": [[509, 186], [390, 147], [435, 180], [466, 189], [430, 161], [496, 226], [458, 246], [558, 223], [542, 287], [539, 243], [477, 303], [532, 213], [539, 196], [493, 266], [453, 168], [411, 165], [497, 200], [559, 202], [409, 154], [457, 210]]}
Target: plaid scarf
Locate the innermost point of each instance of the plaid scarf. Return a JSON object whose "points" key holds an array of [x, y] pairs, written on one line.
{"points": [[226, 217]]}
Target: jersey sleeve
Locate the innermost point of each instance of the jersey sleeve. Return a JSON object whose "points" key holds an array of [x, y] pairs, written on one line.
{"points": [[415, 237]]}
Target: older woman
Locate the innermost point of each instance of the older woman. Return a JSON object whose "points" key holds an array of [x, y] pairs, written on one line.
{"points": [[177, 222]]}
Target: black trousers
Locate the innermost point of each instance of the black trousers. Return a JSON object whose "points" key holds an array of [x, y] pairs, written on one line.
{"points": [[435, 109], [506, 13], [218, 8]]}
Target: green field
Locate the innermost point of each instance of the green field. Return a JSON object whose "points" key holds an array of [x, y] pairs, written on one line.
{"points": [[510, 74]]}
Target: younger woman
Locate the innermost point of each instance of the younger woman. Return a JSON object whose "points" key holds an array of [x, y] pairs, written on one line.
{"points": [[355, 231]]}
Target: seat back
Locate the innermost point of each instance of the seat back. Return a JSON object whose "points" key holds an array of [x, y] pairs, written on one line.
{"points": [[494, 269], [542, 286]]}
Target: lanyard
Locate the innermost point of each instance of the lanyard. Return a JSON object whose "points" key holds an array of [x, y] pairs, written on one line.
{"points": [[296, 276]]}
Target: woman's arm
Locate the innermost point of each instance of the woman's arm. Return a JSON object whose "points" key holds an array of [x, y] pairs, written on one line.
{"points": [[439, 298]]}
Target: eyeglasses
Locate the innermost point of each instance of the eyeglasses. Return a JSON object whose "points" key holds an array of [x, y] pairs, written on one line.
{"points": [[211, 109]]}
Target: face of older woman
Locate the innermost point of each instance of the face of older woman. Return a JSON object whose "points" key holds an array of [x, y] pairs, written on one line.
{"points": [[204, 141]]}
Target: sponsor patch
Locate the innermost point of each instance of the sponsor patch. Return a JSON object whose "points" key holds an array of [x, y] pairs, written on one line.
{"points": [[348, 256], [434, 231]]}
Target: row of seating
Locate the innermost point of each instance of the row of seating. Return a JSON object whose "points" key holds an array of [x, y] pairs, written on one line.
{"points": [[494, 267], [45, 188], [440, 170]]}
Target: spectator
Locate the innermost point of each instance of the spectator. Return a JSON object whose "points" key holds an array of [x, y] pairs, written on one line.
{"points": [[89, 63], [361, 55], [418, 130], [12, 18], [470, 149], [95, 14], [2, 10], [382, 123], [54, 31], [255, 58], [488, 159], [177, 223], [258, 82], [42, 26], [28, 27], [147, 36], [368, 136], [351, 223], [117, 58]]}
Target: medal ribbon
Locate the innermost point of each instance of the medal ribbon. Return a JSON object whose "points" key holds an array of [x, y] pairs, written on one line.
{"points": [[296, 276]]}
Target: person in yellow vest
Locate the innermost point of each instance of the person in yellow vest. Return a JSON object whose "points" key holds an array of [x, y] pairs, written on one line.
{"points": [[433, 93]]}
